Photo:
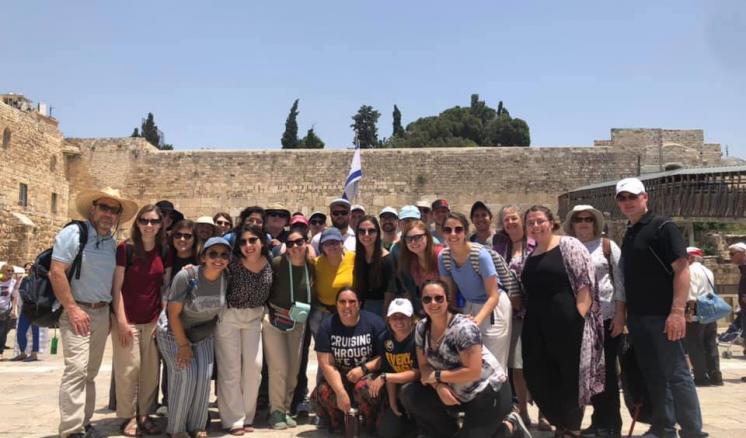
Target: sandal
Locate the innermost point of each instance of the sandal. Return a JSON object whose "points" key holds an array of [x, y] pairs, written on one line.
{"points": [[199, 434], [236, 431], [130, 428], [149, 427]]}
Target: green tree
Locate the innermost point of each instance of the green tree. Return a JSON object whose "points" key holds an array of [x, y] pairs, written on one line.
{"points": [[135, 133], [311, 141], [290, 136], [366, 132], [398, 128], [149, 130]]}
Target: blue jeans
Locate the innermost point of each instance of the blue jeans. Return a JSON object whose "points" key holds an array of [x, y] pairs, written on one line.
{"points": [[22, 331], [663, 364]]}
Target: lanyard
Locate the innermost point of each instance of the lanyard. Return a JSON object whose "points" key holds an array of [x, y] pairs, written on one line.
{"points": [[308, 283]]}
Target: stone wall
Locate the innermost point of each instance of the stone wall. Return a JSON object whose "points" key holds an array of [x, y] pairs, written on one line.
{"points": [[33, 156]]}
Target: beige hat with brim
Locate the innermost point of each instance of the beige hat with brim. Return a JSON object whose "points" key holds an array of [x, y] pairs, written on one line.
{"points": [[86, 198], [567, 225]]}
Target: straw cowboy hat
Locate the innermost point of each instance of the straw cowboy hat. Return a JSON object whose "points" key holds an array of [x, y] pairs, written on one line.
{"points": [[86, 198]]}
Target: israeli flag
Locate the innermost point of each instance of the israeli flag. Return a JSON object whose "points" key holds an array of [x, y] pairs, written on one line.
{"points": [[354, 177]]}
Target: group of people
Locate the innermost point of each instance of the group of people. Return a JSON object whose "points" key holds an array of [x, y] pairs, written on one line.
{"points": [[419, 325], [11, 284]]}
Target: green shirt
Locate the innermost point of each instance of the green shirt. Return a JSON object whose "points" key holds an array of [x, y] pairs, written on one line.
{"points": [[279, 295]]}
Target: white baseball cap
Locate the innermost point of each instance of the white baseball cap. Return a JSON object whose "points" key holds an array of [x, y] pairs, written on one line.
{"points": [[630, 185], [400, 305], [388, 210]]}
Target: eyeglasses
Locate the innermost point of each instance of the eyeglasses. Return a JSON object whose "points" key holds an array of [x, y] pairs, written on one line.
{"points": [[278, 214], [340, 212], [223, 223], [108, 208], [212, 255], [185, 236], [367, 231], [250, 241], [536, 223], [439, 299], [143, 221], [316, 222], [586, 219], [297, 242], [622, 198], [453, 230], [412, 238]]}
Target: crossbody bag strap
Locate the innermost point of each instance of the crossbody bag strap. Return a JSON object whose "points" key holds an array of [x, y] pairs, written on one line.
{"points": [[308, 283]]}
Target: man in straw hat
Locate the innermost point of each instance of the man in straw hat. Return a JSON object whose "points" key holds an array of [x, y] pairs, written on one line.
{"points": [[84, 323]]}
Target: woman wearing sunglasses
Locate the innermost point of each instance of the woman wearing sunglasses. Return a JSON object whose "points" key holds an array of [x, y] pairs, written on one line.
{"points": [[562, 339], [238, 340], [485, 303], [185, 338], [374, 267], [418, 260], [142, 270], [184, 246], [457, 374], [586, 224], [334, 270], [284, 326], [224, 222]]}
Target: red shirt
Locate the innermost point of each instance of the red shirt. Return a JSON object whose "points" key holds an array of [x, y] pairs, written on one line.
{"points": [[141, 289]]}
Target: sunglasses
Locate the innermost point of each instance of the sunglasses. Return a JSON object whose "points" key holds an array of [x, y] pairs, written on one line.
{"points": [[108, 208], [453, 230], [439, 299], [278, 214], [341, 213], [144, 221], [250, 241], [317, 222], [185, 236], [581, 219], [367, 231], [212, 255], [412, 238], [623, 198], [297, 242], [224, 223]]}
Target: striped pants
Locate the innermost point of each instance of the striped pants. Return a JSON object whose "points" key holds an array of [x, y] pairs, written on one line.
{"points": [[188, 387]]}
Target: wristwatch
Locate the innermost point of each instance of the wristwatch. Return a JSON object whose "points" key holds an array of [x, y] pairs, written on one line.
{"points": [[437, 376]]}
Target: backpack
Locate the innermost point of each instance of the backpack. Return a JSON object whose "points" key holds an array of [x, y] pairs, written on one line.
{"points": [[508, 279], [40, 305]]}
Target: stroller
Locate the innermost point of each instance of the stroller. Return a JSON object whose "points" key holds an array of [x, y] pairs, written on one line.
{"points": [[732, 336]]}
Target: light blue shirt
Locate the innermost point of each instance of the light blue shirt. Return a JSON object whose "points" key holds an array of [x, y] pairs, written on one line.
{"points": [[97, 267], [469, 282]]}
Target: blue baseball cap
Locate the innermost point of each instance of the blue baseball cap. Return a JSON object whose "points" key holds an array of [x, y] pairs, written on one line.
{"points": [[212, 241], [330, 234], [409, 212]]}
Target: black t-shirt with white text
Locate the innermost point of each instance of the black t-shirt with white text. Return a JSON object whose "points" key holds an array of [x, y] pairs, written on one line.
{"points": [[350, 346]]}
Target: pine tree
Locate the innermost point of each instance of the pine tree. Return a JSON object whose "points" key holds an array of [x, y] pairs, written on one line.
{"points": [[398, 128], [135, 133], [366, 132], [290, 136], [311, 141], [149, 130]]}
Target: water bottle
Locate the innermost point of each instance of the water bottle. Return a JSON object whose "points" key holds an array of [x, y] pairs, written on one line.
{"points": [[352, 424], [53, 347]]}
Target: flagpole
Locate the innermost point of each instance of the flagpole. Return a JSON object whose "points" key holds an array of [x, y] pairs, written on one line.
{"points": [[350, 191]]}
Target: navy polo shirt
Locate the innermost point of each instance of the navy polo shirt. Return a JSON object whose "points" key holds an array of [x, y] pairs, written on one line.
{"points": [[648, 249]]}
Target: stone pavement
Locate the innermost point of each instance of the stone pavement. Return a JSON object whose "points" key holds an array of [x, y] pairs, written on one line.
{"points": [[29, 402]]}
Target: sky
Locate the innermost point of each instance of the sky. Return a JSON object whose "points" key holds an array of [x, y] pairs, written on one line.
{"points": [[224, 74]]}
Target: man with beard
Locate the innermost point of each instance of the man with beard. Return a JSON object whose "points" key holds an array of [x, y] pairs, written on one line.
{"points": [[389, 223], [339, 210], [86, 298], [440, 210]]}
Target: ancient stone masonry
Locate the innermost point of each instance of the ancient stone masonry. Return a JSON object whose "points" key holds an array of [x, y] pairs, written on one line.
{"points": [[204, 182]]}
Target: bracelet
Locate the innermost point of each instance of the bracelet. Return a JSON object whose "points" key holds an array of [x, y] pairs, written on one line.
{"points": [[364, 368], [383, 376], [437, 376]]}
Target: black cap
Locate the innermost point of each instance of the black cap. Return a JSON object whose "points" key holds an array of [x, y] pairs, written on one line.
{"points": [[479, 205]]}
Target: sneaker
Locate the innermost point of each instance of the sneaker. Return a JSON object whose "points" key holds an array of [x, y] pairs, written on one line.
{"points": [[607, 433], [18, 358], [162, 411], [519, 428], [303, 408], [290, 421], [716, 378], [277, 420]]}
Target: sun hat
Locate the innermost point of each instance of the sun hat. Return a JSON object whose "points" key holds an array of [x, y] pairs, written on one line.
{"points": [[597, 215], [205, 220], [423, 204], [167, 208], [86, 198], [400, 305], [738, 246], [277, 207]]}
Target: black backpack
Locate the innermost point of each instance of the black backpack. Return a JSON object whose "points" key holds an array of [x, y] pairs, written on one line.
{"points": [[39, 302]]}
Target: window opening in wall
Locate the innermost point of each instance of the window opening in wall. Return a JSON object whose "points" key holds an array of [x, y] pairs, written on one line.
{"points": [[23, 195], [54, 203], [6, 137]]}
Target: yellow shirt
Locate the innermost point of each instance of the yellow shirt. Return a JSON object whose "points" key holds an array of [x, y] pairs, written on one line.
{"points": [[329, 280]]}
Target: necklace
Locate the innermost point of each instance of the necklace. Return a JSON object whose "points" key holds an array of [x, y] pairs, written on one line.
{"points": [[435, 343]]}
